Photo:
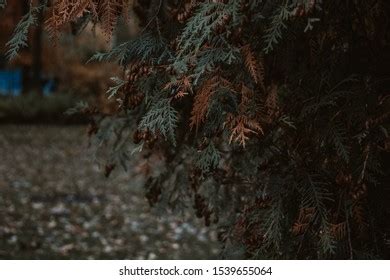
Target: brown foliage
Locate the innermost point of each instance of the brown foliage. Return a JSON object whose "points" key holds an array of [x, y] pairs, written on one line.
{"points": [[302, 224], [200, 107], [242, 127], [254, 66], [106, 12]]}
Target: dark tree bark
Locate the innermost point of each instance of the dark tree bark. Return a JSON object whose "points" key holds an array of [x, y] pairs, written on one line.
{"points": [[25, 68], [36, 52]]}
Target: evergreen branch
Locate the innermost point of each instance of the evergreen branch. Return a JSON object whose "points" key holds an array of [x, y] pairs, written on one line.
{"points": [[141, 48], [119, 83], [20, 36], [274, 224], [116, 54], [200, 27], [338, 138], [208, 158], [278, 24], [162, 118], [316, 195]]}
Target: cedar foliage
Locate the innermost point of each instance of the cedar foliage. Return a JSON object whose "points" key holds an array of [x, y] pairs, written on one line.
{"points": [[272, 117]]}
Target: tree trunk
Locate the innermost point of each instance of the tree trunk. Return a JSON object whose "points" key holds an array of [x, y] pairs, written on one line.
{"points": [[25, 69], [36, 52]]}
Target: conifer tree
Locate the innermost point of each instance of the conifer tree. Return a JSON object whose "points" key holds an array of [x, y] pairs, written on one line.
{"points": [[272, 116]]}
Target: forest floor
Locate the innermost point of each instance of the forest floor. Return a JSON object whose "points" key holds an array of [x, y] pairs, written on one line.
{"points": [[55, 203]]}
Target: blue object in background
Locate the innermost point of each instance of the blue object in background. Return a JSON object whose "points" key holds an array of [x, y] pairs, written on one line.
{"points": [[48, 87], [11, 82]]}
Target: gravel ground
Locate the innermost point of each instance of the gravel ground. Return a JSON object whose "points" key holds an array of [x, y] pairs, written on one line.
{"points": [[55, 203]]}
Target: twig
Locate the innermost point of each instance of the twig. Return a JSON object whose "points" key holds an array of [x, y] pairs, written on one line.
{"points": [[349, 234], [153, 18]]}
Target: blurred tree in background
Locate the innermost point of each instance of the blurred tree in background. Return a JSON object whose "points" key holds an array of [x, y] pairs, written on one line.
{"points": [[62, 61], [269, 118]]}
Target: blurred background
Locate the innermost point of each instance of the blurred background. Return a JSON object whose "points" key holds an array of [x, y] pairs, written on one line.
{"points": [[55, 202]]}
